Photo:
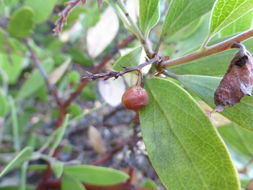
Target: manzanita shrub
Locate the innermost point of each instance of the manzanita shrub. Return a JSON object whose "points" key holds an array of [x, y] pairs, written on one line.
{"points": [[179, 60]]}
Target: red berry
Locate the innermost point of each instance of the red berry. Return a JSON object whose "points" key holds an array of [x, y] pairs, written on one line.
{"points": [[135, 98]]}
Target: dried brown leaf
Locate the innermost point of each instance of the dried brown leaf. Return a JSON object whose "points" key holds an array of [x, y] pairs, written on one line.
{"points": [[96, 140], [237, 82], [56, 75]]}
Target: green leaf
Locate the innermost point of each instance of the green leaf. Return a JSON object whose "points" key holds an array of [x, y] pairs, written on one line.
{"points": [[226, 12], [57, 168], [214, 65], [149, 15], [3, 104], [37, 167], [188, 31], [95, 175], [75, 109], [35, 81], [149, 184], [205, 86], [12, 66], [183, 12], [41, 8], [73, 77], [21, 23], [2, 40], [42, 94], [89, 92], [16, 46], [190, 40], [10, 2], [233, 134], [242, 24], [91, 17], [79, 57], [71, 183], [21, 157], [245, 183], [131, 59], [184, 148]]}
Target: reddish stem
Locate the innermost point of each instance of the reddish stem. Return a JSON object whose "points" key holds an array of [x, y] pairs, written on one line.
{"points": [[64, 15], [222, 46], [56, 184]]}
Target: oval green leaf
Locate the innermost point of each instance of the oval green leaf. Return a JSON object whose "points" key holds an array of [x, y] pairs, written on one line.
{"points": [[41, 8], [205, 86], [226, 12], [131, 59], [188, 31], [184, 148], [150, 184], [183, 12], [187, 40], [21, 23], [95, 175], [214, 65], [207, 65], [149, 15]]}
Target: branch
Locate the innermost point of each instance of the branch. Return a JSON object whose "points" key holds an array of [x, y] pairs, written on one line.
{"points": [[51, 88], [116, 74], [64, 15], [101, 65], [222, 46]]}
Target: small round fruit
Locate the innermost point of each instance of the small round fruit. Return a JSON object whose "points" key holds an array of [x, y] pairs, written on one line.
{"points": [[135, 98]]}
